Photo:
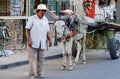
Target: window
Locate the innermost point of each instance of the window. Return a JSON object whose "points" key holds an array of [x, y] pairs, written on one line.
{"points": [[4, 7]]}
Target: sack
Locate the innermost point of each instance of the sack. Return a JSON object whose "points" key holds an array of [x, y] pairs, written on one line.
{"points": [[104, 2]]}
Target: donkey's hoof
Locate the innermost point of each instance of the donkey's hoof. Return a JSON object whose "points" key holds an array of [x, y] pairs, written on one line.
{"points": [[84, 62], [63, 67], [74, 63], [70, 68]]}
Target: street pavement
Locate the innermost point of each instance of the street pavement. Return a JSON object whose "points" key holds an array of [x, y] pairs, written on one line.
{"points": [[99, 66]]}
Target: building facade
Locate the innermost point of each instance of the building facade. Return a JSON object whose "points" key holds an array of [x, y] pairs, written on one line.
{"points": [[26, 7]]}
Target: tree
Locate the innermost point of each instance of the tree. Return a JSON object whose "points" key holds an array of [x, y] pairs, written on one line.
{"points": [[36, 3], [45, 2], [40, 1]]}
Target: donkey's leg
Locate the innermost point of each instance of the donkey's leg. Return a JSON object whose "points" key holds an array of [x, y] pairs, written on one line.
{"points": [[78, 51], [69, 46], [84, 47], [64, 56]]}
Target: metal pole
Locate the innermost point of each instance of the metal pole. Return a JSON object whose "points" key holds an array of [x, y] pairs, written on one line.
{"points": [[24, 23], [56, 12], [56, 7], [29, 7]]}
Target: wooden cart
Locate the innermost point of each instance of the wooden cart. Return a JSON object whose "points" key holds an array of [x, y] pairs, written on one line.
{"points": [[102, 37]]}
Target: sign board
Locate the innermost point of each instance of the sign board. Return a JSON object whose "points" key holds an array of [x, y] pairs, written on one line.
{"points": [[16, 8]]}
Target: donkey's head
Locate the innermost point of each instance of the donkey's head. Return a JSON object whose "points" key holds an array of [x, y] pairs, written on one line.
{"points": [[59, 28]]}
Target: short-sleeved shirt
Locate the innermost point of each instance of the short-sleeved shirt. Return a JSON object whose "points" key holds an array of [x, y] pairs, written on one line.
{"points": [[38, 31]]}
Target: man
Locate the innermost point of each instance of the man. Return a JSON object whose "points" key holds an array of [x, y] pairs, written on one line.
{"points": [[37, 32]]}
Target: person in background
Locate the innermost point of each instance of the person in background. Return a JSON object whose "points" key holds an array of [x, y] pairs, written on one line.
{"points": [[37, 32]]}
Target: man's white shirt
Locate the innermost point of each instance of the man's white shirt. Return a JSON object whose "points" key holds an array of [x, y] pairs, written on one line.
{"points": [[38, 31]]}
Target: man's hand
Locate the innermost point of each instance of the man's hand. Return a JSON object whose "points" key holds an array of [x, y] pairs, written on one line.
{"points": [[29, 43], [67, 38], [49, 39], [50, 43]]}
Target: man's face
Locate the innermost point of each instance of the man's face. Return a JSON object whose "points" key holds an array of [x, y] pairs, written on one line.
{"points": [[41, 13]]}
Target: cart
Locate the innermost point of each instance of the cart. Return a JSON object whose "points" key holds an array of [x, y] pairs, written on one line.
{"points": [[102, 37]]}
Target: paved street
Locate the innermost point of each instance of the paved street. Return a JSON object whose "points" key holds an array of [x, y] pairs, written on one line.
{"points": [[99, 66]]}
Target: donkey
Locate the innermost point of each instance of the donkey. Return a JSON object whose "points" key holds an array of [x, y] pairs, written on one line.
{"points": [[80, 38], [76, 29], [65, 36]]}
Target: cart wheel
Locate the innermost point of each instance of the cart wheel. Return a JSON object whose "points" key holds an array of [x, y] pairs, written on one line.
{"points": [[114, 47], [74, 49]]}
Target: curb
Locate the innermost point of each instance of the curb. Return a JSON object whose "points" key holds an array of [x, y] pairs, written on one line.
{"points": [[26, 62]]}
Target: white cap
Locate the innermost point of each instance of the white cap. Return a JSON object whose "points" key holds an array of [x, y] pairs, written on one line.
{"points": [[41, 7]]}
